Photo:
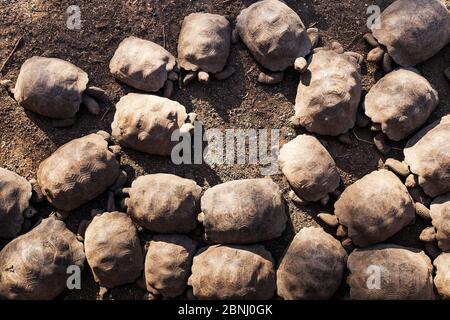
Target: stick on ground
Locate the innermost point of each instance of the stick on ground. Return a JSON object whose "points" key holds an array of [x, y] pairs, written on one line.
{"points": [[11, 53]]}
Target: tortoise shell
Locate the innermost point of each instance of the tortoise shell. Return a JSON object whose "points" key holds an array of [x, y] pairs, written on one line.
{"points": [[233, 273], [142, 64], [274, 34], [15, 195], [78, 172], [35, 265], [414, 30], [204, 42], [50, 87]]}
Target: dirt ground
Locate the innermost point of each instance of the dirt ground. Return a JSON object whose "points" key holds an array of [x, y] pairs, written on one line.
{"points": [[239, 102]]}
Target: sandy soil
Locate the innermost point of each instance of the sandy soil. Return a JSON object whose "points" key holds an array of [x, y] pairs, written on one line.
{"points": [[239, 102]]}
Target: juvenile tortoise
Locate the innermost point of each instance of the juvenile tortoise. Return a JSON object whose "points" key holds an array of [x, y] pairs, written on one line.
{"points": [[146, 123], [243, 211], [113, 250], [428, 157], [440, 218], [204, 46], [329, 92], [400, 103], [55, 89], [374, 208], [309, 169], [163, 203], [442, 278], [168, 264], [409, 32], [312, 267], [79, 171], [390, 272], [16, 194], [276, 37], [223, 272], [35, 265], [144, 65]]}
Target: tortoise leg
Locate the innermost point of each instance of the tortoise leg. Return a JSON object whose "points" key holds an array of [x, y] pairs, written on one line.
{"points": [[270, 77], [422, 211], [63, 123], [101, 293], [111, 202], [225, 73], [37, 196], [189, 77], [428, 234], [168, 89], [387, 63], [116, 150], [342, 231], [203, 77], [295, 121], [300, 64], [398, 167], [356, 56], [411, 181], [296, 199], [337, 47], [313, 35], [103, 134], [91, 104], [376, 127], [235, 36], [8, 85], [201, 217], [376, 54], [329, 219], [381, 143], [187, 128], [97, 93], [370, 39], [191, 116]]}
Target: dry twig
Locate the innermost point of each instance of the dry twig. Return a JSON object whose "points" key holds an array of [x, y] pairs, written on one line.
{"points": [[11, 53]]}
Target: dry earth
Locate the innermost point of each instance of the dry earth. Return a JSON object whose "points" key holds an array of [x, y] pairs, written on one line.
{"points": [[239, 102]]}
